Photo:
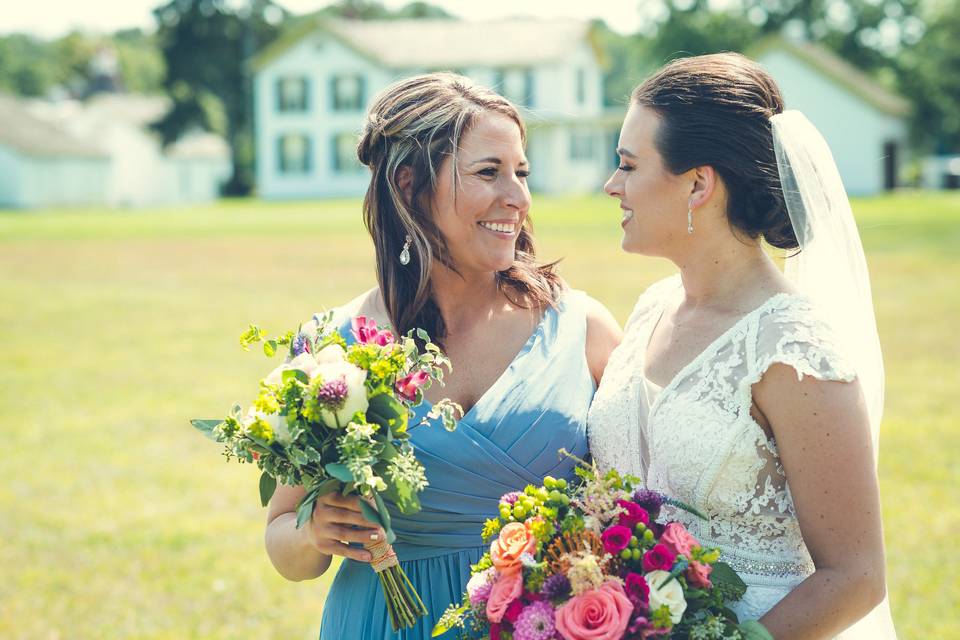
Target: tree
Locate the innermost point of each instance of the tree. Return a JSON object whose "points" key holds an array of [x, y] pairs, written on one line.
{"points": [[207, 46]]}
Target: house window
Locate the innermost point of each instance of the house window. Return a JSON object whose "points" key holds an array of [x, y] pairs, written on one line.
{"points": [[345, 153], [516, 85], [348, 92], [293, 153], [292, 94], [581, 86], [582, 145]]}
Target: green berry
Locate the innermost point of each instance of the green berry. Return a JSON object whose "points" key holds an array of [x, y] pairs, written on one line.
{"points": [[634, 542], [561, 484], [636, 554], [550, 482], [555, 496], [648, 535], [565, 499], [519, 511], [626, 554], [640, 528]]}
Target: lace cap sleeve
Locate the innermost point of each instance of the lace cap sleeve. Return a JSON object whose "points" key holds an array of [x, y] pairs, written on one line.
{"points": [[793, 334]]}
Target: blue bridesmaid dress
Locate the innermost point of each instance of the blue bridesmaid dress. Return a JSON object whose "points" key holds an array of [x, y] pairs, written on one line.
{"points": [[507, 440]]}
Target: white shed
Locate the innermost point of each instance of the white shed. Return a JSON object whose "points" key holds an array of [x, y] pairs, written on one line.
{"points": [[312, 88], [863, 122], [43, 165]]}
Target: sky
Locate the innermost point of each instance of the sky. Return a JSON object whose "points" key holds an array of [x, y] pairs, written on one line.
{"points": [[52, 18]]}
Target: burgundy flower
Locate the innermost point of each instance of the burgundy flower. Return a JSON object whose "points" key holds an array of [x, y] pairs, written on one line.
{"points": [[495, 631], [407, 386], [659, 557], [616, 538], [634, 513], [637, 589], [650, 500], [513, 611]]}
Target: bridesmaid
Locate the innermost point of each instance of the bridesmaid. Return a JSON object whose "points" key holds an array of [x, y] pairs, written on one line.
{"points": [[447, 208]]}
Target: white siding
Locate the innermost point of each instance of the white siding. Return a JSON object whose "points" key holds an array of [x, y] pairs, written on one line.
{"points": [[56, 182], [9, 178], [855, 130]]}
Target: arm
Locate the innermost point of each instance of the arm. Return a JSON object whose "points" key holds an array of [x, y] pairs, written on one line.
{"points": [[306, 553], [823, 437], [603, 336]]}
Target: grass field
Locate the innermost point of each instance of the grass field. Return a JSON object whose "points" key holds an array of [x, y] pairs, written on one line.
{"points": [[118, 521]]}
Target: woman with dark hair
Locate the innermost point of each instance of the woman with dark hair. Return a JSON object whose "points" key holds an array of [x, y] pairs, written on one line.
{"points": [[747, 392], [447, 209]]}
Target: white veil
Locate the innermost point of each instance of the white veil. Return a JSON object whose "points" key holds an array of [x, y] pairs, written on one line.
{"points": [[832, 271]]}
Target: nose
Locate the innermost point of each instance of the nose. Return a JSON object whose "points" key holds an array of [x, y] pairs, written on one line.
{"points": [[613, 186], [516, 195]]}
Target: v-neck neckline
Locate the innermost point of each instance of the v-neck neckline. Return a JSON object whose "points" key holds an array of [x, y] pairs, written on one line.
{"points": [[524, 350], [709, 350]]}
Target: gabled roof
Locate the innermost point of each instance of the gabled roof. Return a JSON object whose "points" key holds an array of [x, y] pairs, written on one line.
{"points": [[838, 70], [34, 136], [438, 43]]}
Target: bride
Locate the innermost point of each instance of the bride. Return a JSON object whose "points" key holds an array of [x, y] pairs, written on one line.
{"points": [[750, 393]]}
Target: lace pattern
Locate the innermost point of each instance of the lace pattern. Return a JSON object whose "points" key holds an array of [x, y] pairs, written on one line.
{"points": [[699, 443]]}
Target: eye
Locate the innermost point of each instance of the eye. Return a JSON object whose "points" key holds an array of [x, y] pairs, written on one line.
{"points": [[625, 167], [523, 173], [489, 172]]}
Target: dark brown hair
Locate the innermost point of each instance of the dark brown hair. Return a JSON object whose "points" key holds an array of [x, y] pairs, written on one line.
{"points": [[715, 111], [417, 123]]}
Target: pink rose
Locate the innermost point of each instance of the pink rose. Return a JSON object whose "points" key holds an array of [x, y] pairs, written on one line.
{"points": [[407, 386], [676, 536], [515, 539], [365, 331], [506, 589], [637, 588], [616, 538], [633, 513], [698, 574], [597, 614], [660, 557]]}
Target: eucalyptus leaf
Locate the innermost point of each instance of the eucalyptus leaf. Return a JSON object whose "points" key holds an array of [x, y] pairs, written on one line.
{"points": [[268, 484], [305, 510], [206, 427], [753, 630], [339, 471], [371, 514]]}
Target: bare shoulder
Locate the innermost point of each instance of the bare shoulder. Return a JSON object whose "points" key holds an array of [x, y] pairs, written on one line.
{"points": [[603, 336]]}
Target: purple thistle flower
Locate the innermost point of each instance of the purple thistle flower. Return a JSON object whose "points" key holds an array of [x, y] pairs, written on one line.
{"points": [[535, 622], [556, 587], [649, 500], [510, 498], [300, 344], [333, 393]]}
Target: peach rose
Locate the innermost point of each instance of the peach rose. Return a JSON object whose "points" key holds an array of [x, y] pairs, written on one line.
{"points": [[698, 574], [598, 614], [515, 539], [680, 541], [506, 589]]}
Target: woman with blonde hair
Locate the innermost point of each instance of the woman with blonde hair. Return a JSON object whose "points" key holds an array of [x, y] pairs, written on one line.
{"points": [[448, 211]]}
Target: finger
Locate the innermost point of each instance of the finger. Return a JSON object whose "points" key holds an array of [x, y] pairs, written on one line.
{"points": [[337, 515], [349, 534], [338, 548], [335, 499]]}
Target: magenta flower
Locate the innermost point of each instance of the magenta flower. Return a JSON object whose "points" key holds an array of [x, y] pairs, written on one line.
{"points": [[633, 513], [365, 331], [660, 557], [616, 538], [637, 589], [407, 386]]}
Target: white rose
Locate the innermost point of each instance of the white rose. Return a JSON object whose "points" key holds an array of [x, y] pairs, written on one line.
{"points": [[355, 377], [670, 594], [331, 353], [304, 362]]}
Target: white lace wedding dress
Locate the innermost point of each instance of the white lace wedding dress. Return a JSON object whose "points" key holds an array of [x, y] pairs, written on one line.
{"points": [[696, 440]]}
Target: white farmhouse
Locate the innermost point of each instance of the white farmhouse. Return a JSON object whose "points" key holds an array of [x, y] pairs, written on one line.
{"points": [[312, 88], [863, 122]]}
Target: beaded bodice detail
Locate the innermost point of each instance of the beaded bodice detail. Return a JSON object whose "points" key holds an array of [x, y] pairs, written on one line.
{"points": [[698, 442]]}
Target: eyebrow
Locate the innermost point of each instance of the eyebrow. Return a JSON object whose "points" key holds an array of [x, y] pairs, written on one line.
{"points": [[493, 160], [624, 152]]}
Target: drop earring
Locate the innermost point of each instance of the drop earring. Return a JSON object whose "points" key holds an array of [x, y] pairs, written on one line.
{"points": [[405, 253], [690, 220]]}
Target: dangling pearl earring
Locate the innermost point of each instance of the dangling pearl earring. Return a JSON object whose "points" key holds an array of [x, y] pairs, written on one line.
{"points": [[690, 220], [405, 253]]}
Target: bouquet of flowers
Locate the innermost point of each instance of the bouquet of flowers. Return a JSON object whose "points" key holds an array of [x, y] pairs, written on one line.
{"points": [[591, 562], [336, 418]]}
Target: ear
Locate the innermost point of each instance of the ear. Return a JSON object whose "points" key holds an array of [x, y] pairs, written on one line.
{"points": [[404, 177], [704, 184]]}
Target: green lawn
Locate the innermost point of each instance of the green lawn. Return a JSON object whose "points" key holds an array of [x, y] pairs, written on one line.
{"points": [[118, 521]]}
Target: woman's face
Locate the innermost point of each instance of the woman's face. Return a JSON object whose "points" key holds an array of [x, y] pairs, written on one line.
{"points": [[480, 212], [654, 201]]}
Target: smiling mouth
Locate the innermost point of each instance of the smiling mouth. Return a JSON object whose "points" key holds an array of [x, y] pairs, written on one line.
{"points": [[627, 215], [502, 228]]}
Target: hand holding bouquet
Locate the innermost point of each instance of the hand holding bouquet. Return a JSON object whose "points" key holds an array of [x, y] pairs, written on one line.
{"points": [[591, 562], [336, 418]]}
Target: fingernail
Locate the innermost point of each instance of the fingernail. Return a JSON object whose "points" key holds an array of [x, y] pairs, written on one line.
{"points": [[374, 536]]}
